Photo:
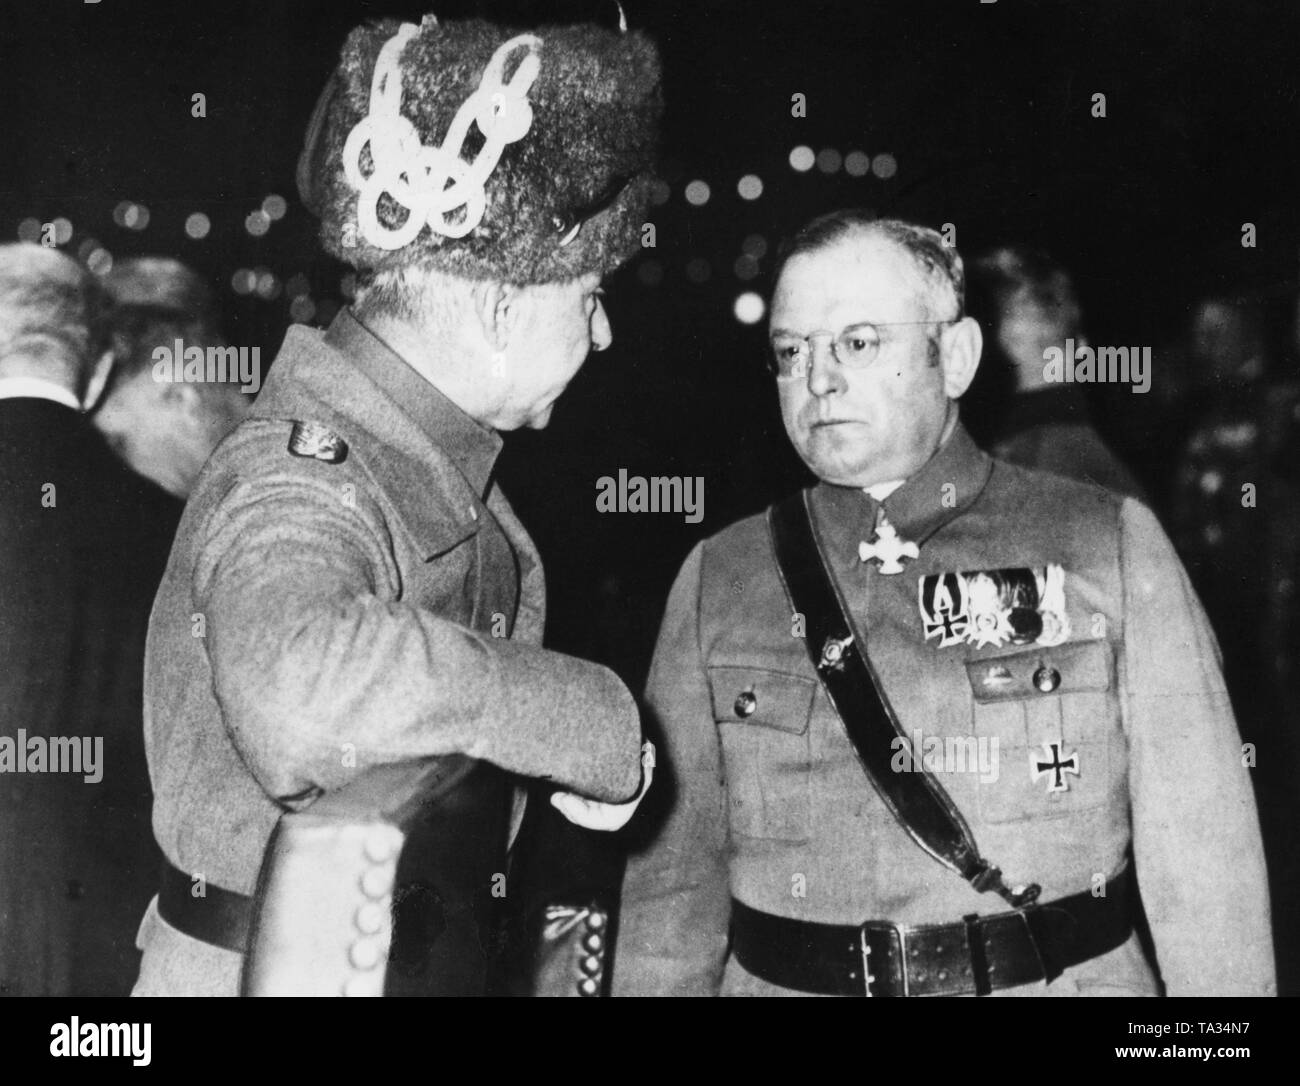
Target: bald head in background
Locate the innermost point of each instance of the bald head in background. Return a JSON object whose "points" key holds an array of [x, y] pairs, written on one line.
{"points": [[54, 323], [164, 430]]}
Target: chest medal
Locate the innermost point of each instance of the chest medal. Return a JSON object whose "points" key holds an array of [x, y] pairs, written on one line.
{"points": [[1017, 606], [1052, 765], [887, 548]]}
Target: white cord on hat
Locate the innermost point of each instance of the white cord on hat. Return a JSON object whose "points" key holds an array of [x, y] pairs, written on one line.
{"points": [[430, 182]]}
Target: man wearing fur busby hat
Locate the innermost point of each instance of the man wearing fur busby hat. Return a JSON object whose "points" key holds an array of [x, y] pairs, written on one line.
{"points": [[349, 588]]}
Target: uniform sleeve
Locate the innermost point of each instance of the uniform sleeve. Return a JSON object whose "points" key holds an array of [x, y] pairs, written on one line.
{"points": [[1196, 834], [676, 903], [321, 674]]}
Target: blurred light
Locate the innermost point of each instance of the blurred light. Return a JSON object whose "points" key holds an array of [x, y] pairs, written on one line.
{"points": [[698, 193], [660, 192], [755, 245], [857, 164], [62, 231], [829, 160], [86, 248], [750, 187], [100, 261], [198, 225], [348, 286], [119, 212], [136, 217], [302, 309], [746, 267], [297, 286], [29, 230], [802, 158], [257, 223], [698, 270], [326, 311], [268, 286], [884, 166], [244, 281], [275, 207], [651, 273], [749, 308]]}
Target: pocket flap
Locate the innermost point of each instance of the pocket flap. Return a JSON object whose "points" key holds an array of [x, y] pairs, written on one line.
{"points": [[755, 695], [1042, 672]]}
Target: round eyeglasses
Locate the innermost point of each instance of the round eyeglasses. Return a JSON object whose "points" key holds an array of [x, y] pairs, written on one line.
{"points": [[854, 348]]}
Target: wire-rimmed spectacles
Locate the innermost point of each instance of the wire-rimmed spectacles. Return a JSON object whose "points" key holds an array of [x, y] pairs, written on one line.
{"points": [[854, 348]]}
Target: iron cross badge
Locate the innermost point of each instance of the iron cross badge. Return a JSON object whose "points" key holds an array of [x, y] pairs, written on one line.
{"points": [[1055, 767]]}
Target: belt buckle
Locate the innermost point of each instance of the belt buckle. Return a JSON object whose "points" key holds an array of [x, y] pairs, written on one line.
{"points": [[896, 932], [1047, 974]]}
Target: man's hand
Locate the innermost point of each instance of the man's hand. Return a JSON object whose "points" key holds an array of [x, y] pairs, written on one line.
{"points": [[593, 815]]}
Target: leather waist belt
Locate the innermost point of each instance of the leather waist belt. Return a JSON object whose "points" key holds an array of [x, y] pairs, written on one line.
{"points": [[219, 918], [971, 957]]}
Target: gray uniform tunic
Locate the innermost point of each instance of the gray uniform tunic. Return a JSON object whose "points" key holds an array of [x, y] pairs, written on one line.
{"points": [[319, 618], [774, 809]]}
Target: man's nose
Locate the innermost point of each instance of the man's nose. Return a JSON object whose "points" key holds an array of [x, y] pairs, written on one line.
{"points": [[602, 335], [824, 376]]}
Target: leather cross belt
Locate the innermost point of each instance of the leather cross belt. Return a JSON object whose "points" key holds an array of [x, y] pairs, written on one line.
{"points": [[971, 957]]}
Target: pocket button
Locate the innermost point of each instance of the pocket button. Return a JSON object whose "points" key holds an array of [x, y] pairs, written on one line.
{"points": [[1047, 679], [745, 705]]}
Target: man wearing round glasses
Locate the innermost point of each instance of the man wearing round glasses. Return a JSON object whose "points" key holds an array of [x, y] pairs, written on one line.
{"points": [[857, 410], [1024, 708]]}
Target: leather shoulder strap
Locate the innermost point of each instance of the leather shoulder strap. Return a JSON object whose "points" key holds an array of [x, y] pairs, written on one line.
{"points": [[838, 654]]}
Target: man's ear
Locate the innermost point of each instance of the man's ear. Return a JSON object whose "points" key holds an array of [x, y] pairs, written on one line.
{"points": [[98, 380], [961, 346], [497, 312], [183, 398]]}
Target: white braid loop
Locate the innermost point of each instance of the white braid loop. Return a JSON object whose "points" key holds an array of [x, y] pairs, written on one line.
{"points": [[433, 182]]}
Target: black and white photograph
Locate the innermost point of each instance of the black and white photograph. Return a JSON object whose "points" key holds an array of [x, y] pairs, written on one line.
{"points": [[651, 498]]}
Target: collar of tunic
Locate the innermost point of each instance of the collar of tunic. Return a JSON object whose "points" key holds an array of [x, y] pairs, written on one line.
{"points": [[474, 448], [942, 489]]}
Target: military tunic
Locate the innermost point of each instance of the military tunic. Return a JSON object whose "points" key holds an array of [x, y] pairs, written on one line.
{"points": [[774, 809], [320, 616]]}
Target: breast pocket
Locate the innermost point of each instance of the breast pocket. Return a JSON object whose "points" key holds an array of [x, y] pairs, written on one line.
{"points": [[762, 718], [1052, 715]]}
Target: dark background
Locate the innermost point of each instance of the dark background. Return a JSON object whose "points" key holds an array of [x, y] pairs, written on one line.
{"points": [[985, 107]]}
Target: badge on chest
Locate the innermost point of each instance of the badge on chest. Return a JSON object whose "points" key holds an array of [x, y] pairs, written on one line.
{"points": [[1017, 606]]}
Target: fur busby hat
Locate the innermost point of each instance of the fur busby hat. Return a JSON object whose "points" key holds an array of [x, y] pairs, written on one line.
{"points": [[485, 152]]}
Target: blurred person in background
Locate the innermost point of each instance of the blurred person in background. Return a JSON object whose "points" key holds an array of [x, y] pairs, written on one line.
{"points": [[1229, 511], [1234, 516], [165, 430], [1027, 304], [80, 567]]}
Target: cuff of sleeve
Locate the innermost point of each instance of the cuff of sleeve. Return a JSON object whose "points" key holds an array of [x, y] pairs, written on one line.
{"points": [[562, 719]]}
